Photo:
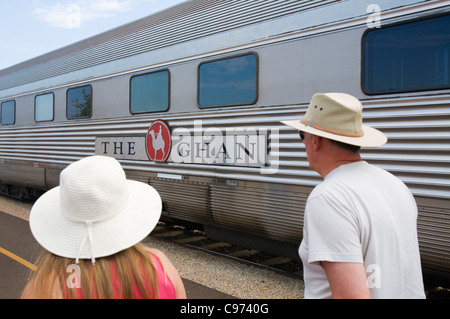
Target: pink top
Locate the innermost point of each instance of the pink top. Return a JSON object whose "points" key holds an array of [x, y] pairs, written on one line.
{"points": [[166, 289]]}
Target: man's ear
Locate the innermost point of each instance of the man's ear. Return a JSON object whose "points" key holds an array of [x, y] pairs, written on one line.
{"points": [[316, 142]]}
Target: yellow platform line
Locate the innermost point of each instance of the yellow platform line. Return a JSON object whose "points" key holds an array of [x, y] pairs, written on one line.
{"points": [[18, 259]]}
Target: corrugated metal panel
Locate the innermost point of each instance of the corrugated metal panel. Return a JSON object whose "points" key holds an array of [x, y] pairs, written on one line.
{"points": [[419, 142], [418, 150], [185, 22], [270, 213], [184, 200], [32, 177], [434, 230]]}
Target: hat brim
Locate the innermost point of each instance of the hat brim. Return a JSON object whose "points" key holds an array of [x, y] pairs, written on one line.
{"points": [[371, 138], [63, 237]]}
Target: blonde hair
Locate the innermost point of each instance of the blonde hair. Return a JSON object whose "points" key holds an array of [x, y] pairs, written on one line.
{"points": [[133, 269]]}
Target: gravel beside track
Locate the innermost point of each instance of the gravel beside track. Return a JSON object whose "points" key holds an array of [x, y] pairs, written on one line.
{"points": [[15, 207], [230, 277], [219, 273]]}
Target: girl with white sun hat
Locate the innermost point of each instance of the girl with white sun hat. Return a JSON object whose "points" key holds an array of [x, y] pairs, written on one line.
{"points": [[95, 220]]}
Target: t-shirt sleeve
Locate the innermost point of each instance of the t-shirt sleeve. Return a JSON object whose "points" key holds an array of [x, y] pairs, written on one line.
{"points": [[333, 231]]}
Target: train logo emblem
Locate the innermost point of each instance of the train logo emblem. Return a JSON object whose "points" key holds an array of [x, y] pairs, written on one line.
{"points": [[158, 142]]}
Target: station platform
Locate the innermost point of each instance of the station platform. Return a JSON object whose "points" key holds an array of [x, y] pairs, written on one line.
{"points": [[197, 291]]}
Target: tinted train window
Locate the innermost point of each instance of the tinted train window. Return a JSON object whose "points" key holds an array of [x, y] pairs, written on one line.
{"points": [[8, 113], [407, 57], [149, 92], [79, 102], [44, 107], [232, 81]]}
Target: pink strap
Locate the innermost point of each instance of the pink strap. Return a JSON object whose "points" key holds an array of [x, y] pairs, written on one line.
{"points": [[166, 289]]}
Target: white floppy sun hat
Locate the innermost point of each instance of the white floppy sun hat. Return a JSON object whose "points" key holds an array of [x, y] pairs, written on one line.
{"points": [[95, 211], [338, 116]]}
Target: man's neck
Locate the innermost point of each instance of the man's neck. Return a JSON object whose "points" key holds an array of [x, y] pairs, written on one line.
{"points": [[335, 165]]}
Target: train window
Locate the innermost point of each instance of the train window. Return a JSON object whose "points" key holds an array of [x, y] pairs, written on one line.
{"points": [[8, 113], [407, 57], [228, 82], [79, 102], [44, 107], [150, 92]]}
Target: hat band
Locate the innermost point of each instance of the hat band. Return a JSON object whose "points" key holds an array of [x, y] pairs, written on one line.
{"points": [[332, 131]]}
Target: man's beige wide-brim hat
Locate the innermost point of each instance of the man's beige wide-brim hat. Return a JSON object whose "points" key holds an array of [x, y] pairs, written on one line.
{"points": [[338, 116], [95, 211]]}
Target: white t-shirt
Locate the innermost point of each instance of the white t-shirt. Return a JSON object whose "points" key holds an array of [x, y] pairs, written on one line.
{"points": [[363, 214]]}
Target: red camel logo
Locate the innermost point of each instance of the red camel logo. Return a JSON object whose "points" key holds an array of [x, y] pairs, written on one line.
{"points": [[159, 142]]}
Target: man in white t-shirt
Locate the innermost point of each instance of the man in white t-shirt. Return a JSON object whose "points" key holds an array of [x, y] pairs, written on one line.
{"points": [[360, 227]]}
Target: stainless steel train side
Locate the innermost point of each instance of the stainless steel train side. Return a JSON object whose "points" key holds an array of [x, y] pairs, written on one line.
{"points": [[300, 48]]}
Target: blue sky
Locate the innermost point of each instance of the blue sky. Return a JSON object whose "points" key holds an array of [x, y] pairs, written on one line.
{"points": [[30, 28]]}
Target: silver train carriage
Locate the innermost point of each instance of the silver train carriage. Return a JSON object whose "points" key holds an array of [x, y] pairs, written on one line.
{"points": [[190, 101]]}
